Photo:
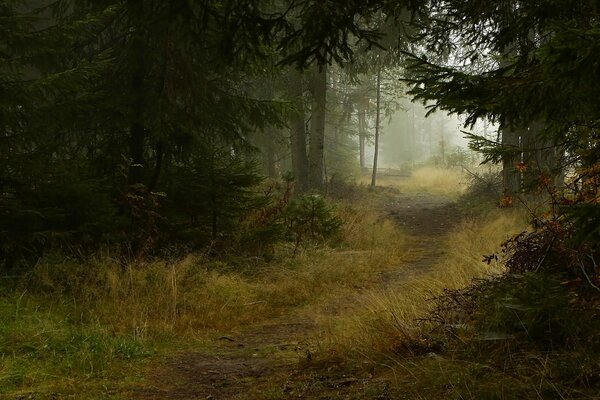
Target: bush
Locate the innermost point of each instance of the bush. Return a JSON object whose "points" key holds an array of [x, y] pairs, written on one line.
{"points": [[312, 217], [61, 214], [535, 310]]}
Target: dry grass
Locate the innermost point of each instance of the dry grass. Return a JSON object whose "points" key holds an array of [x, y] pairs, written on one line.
{"points": [[125, 310], [193, 296], [449, 182], [388, 318], [95, 322]]}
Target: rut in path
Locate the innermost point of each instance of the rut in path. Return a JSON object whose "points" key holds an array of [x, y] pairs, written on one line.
{"points": [[238, 366]]}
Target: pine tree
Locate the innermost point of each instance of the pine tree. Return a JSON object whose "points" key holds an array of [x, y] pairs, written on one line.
{"points": [[530, 66]]}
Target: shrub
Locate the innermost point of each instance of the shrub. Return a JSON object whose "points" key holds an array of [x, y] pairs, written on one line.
{"points": [[313, 217]]}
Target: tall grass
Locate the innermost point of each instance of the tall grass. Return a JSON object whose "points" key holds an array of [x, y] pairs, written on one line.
{"points": [[449, 182], [390, 318], [48, 352], [70, 321], [149, 300]]}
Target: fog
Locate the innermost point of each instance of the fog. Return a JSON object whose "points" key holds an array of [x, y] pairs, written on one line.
{"points": [[410, 137]]}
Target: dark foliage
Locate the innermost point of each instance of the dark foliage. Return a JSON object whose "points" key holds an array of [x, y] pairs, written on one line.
{"points": [[311, 217], [532, 323], [95, 92]]}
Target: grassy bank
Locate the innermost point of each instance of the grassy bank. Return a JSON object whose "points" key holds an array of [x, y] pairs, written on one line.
{"points": [[87, 328], [93, 329], [530, 335], [390, 319]]}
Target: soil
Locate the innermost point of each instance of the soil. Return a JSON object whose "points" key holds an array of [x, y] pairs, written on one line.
{"points": [[274, 360]]}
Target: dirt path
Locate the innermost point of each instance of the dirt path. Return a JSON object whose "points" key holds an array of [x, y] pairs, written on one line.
{"points": [[426, 218], [261, 361]]}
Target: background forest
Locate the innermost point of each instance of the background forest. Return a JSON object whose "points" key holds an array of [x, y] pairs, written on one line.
{"points": [[187, 154]]}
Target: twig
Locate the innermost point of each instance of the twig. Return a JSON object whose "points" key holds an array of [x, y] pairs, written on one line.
{"points": [[585, 273], [254, 302], [543, 258], [476, 176]]}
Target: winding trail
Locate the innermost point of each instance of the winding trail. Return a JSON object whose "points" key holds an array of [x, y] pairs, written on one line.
{"points": [[250, 364]]}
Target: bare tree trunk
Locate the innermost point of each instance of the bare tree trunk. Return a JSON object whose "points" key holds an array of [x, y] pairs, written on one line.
{"points": [[377, 121], [442, 142], [541, 156], [362, 129], [137, 132], [511, 177], [413, 138], [298, 133], [317, 131], [159, 153], [270, 159]]}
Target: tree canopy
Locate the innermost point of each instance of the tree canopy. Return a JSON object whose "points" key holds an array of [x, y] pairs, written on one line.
{"points": [[106, 101]]}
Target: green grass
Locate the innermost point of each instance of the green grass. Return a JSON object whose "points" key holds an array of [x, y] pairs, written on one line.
{"points": [[46, 351]]}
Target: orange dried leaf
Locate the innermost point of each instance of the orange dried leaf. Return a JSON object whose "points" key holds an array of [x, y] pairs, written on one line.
{"points": [[506, 201], [521, 167]]}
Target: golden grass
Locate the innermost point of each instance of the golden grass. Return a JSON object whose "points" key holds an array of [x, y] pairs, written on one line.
{"points": [[449, 182], [389, 317], [195, 296], [126, 311]]}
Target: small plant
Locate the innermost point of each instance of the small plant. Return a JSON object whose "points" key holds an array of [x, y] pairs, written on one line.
{"points": [[311, 216], [143, 207]]}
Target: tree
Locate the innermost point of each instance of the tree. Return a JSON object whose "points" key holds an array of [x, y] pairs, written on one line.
{"points": [[317, 128], [298, 131], [104, 100], [543, 94], [98, 91], [377, 127]]}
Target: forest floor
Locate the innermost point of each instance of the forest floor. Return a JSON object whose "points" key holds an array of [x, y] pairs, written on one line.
{"points": [[279, 359]]}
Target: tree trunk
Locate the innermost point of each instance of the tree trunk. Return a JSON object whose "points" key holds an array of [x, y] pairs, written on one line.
{"points": [[541, 156], [136, 152], [377, 120], [298, 133], [317, 129], [157, 165], [511, 177], [362, 130], [442, 143], [270, 159], [137, 130]]}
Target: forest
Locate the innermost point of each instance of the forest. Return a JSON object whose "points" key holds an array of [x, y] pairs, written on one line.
{"points": [[310, 199]]}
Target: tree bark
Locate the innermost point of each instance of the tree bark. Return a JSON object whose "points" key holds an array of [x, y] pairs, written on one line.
{"points": [[362, 130], [317, 129], [511, 177], [541, 156], [377, 122], [157, 166], [137, 136], [298, 133], [270, 159], [137, 130]]}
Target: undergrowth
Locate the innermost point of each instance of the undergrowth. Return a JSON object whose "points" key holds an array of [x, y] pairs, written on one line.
{"points": [[48, 351], [73, 326], [484, 323], [391, 317]]}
